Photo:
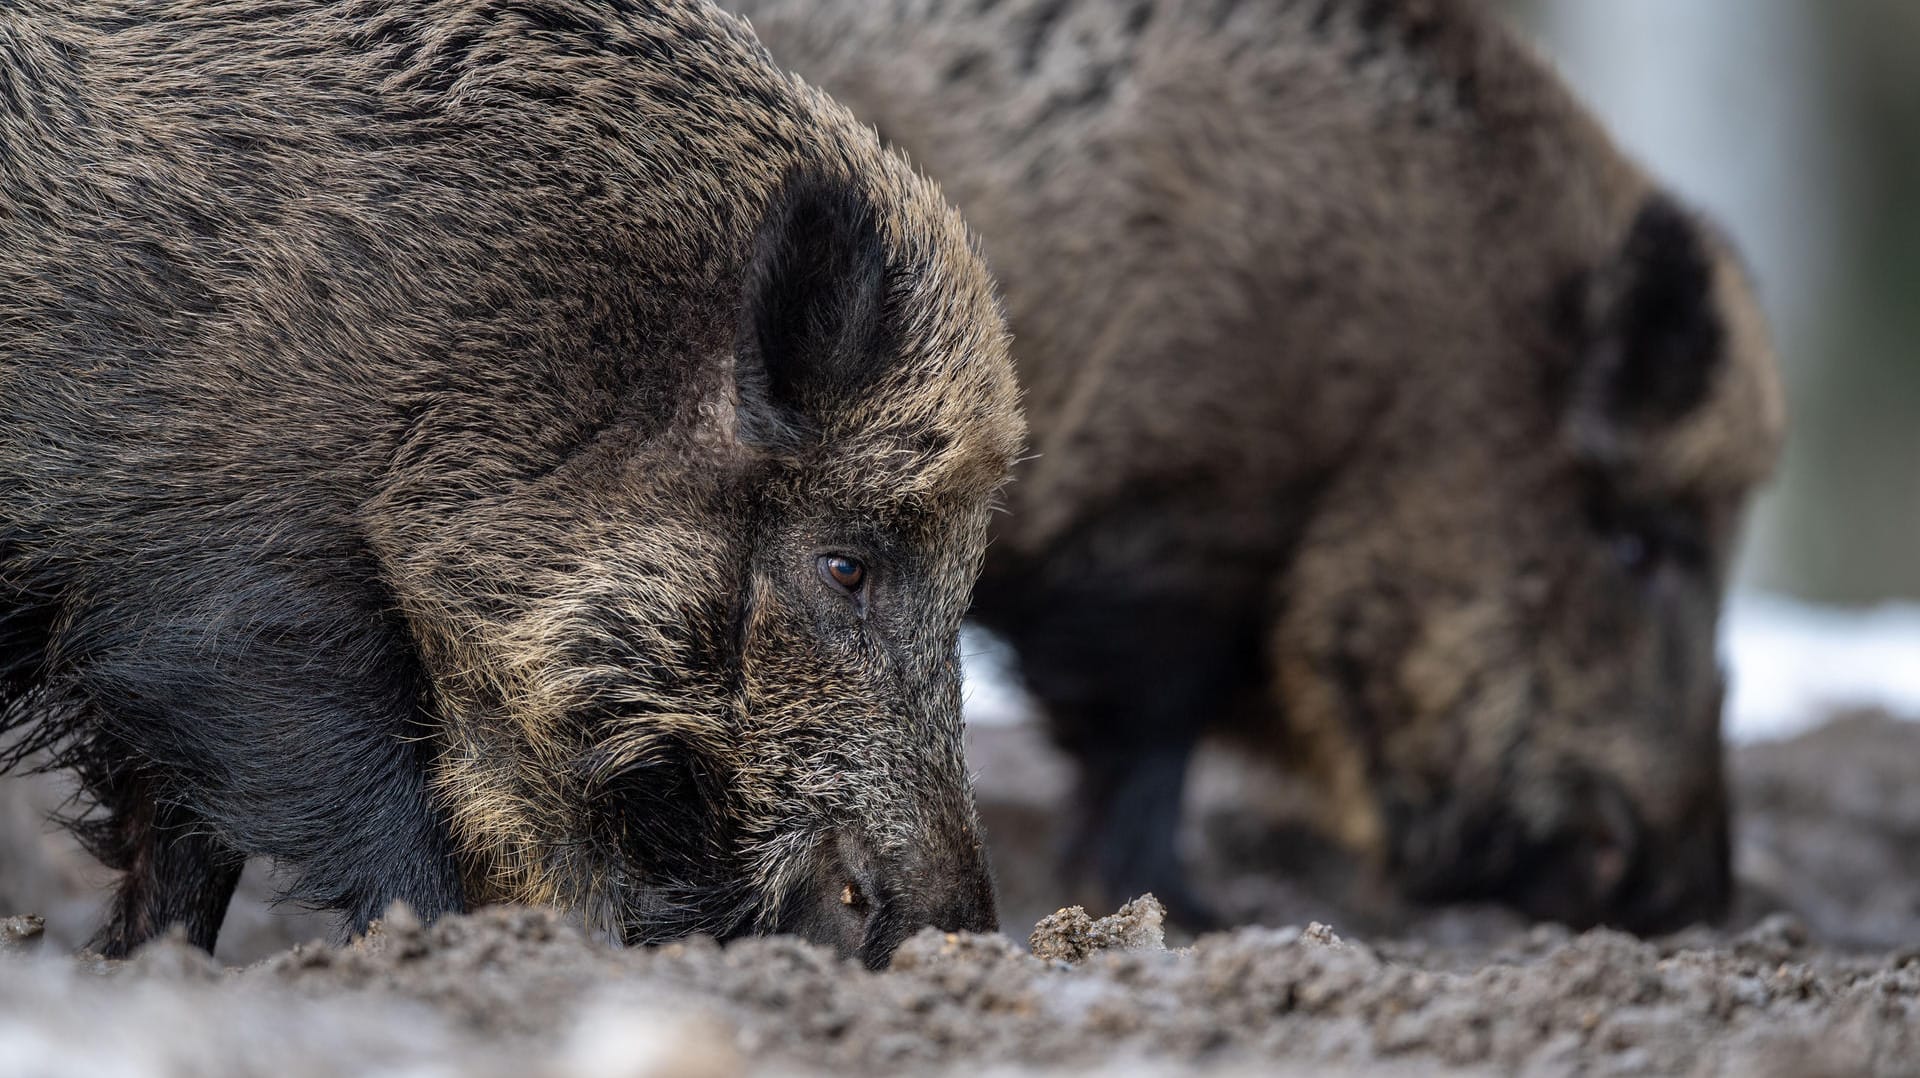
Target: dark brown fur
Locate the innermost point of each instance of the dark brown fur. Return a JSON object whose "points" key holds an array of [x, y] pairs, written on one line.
{"points": [[424, 423], [1383, 412]]}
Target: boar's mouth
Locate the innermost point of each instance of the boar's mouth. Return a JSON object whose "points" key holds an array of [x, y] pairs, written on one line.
{"points": [[669, 866], [1489, 856], [1600, 866]]}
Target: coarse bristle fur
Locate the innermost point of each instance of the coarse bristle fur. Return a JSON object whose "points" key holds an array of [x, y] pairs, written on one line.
{"points": [[425, 421]]}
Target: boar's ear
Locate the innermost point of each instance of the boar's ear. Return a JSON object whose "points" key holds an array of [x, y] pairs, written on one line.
{"points": [[815, 318], [1650, 335]]}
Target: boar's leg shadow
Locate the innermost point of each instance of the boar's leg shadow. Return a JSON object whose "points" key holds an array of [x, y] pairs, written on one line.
{"points": [[1127, 823], [1129, 706], [250, 711]]}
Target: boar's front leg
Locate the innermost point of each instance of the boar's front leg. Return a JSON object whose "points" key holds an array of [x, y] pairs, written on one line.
{"points": [[174, 871], [266, 710], [1130, 687], [1127, 824]]}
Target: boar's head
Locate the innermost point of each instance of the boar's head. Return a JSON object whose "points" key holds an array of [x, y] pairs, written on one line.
{"points": [[1500, 653], [722, 691]]}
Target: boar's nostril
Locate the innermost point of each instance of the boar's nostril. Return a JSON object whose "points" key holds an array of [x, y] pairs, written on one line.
{"points": [[1588, 869], [1589, 879], [1686, 876], [1610, 844], [1607, 863]]}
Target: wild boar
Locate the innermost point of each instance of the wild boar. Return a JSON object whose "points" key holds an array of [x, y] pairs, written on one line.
{"points": [[1384, 414], [488, 450]]}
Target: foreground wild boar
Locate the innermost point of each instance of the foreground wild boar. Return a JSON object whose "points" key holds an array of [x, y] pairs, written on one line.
{"points": [[476, 451], [1383, 413]]}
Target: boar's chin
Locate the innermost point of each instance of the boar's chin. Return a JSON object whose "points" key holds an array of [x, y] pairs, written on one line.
{"points": [[662, 913], [1588, 860], [662, 826]]}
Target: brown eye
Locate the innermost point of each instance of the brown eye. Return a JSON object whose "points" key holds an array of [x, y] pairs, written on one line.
{"points": [[843, 572]]}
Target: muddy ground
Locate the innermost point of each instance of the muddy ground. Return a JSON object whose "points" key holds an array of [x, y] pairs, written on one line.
{"points": [[1819, 972]]}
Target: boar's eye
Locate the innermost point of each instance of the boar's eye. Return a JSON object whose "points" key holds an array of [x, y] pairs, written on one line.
{"points": [[1643, 547], [1638, 552], [844, 573], [1645, 538]]}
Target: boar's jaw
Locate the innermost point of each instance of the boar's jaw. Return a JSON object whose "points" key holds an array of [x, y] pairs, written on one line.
{"points": [[863, 902], [1599, 865]]}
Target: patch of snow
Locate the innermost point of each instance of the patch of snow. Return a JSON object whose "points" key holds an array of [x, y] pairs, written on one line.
{"points": [[1789, 664], [994, 696]]}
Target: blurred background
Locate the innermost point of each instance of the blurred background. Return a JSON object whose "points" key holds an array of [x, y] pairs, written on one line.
{"points": [[1796, 124]]}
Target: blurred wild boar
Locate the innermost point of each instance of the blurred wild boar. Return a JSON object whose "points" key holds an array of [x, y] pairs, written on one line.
{"points": [[1383, 414], [488, 450]]}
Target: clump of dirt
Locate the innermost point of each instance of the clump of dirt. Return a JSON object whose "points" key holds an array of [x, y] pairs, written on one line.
{"points": [[17, 932], [1070, 935]]}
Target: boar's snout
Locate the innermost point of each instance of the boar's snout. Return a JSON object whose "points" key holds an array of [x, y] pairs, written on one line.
{"points": [[1597, 863], [1606, 868], [1576, 873], [1643, 879], [864, 903]]}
